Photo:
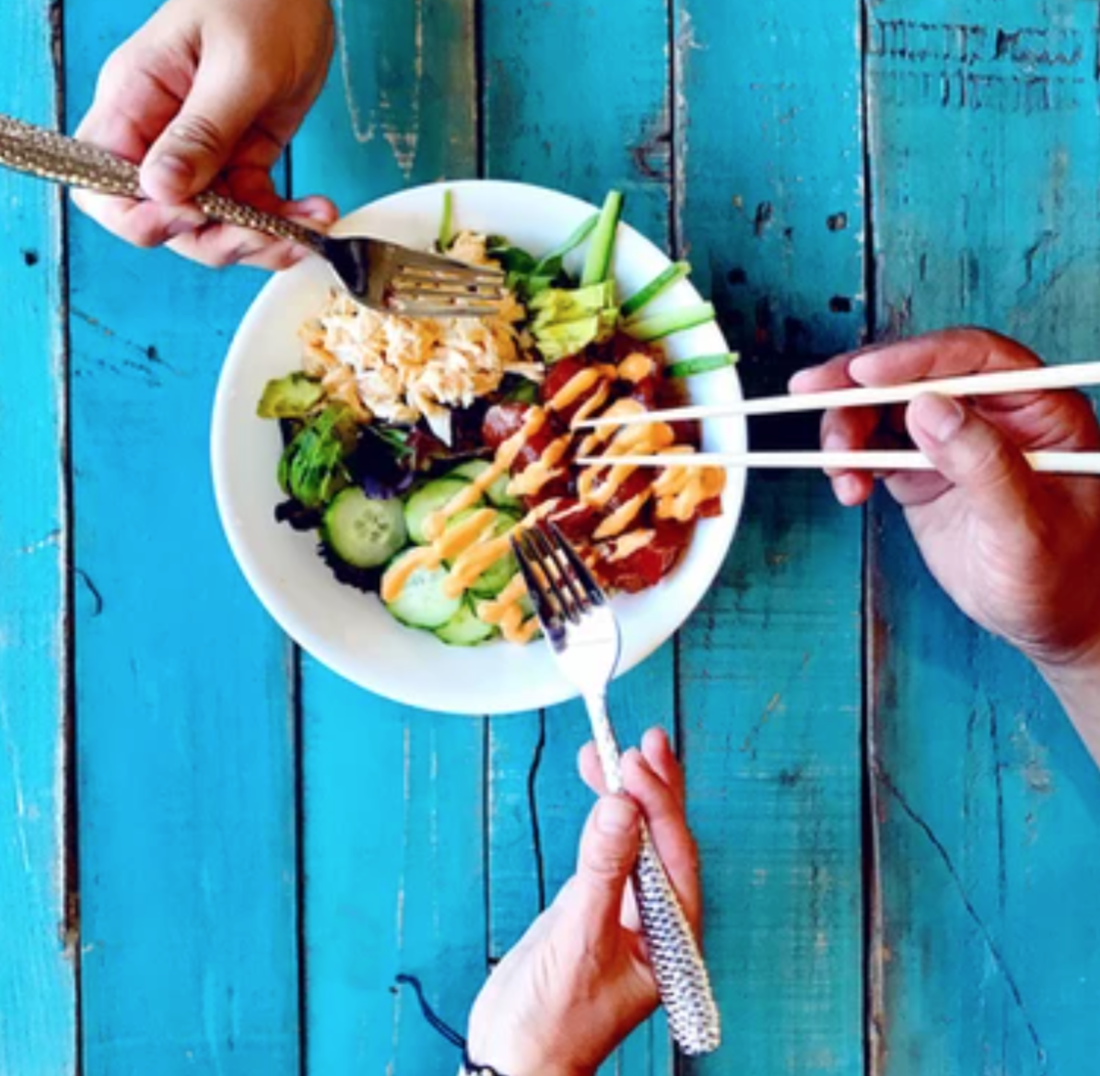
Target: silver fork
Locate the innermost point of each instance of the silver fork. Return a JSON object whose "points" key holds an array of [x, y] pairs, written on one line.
{"points": [[584, 636], [381, 275]]}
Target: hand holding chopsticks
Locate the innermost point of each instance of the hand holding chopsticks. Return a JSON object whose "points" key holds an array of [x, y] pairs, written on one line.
{"points": [[993, 384]]}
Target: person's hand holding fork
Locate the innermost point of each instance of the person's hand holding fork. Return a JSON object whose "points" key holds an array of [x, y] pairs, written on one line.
{"points": [[1018, 552], [207, 94]]}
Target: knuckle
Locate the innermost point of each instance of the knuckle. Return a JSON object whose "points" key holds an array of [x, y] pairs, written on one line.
{"points": [[200, 133], [993, 342], [604, 862], [994, 464], [115, 70], [142, 233], [219, 258]]}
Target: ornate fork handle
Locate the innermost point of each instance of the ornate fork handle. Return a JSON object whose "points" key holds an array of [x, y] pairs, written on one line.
{"points": [[674, 954], [56, 157]]}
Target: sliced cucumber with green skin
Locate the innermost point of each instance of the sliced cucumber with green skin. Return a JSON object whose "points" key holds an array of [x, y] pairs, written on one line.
{"points": [[497, 493], [422, 602], [428, 499], [470, 471], [362, 532], [465, 629], [498, 575]]}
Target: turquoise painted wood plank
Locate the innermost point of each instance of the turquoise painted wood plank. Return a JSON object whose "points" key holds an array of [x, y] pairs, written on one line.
{"points": [[394, 798], [37, 975], [185, 747], [514, 833], [394, 868], [987, 809], [576, 97], [400, 104], [610, 127], [769, 165]]}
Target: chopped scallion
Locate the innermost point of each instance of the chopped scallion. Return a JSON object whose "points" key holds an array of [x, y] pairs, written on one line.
{"points": [[597, 266], [702, 364], [672, 275], [673, 321]]}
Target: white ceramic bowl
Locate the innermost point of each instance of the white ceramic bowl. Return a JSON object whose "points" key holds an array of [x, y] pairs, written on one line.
{"points": [[351, 632]]}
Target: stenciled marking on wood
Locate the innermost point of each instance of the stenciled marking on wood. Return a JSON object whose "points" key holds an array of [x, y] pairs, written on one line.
{"points": [[976, 67]]}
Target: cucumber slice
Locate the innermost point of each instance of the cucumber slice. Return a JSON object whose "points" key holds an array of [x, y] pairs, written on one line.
{"points": [[497, 493], [497, 576], [465, 629], [362, 532], [429, 499], [422, 603], [470, 471]]}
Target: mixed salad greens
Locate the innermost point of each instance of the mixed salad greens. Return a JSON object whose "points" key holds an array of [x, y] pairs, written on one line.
{"points": [[368, 488]]}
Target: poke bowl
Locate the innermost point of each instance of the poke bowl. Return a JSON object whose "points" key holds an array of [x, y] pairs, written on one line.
{"points": [[370, 469]]}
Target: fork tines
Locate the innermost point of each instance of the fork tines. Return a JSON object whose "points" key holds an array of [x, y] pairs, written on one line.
{"points": [[560, 584], [430, 285]]}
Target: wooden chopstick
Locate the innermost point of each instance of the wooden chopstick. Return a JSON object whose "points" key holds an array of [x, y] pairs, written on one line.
{"points": [[1068, 463], [1070, 376]]}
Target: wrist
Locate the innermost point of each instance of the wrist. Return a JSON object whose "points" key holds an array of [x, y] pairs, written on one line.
{"points": [[1076, 681], [512, 1055], [1081, 664]]}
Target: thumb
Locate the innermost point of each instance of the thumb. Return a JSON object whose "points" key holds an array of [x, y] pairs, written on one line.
{"points": [[973, 455], [609, 849], [223, 103]]}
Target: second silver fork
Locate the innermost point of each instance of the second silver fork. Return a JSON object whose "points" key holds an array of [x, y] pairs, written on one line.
{"points": [[584, 636]]}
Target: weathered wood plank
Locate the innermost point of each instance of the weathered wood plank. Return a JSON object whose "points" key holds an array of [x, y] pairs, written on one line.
{"points": [[394, 873], [768, 157], [986, 154], [37, 984], [394, 821], [607, 126], [185, 764], [400, 104]]}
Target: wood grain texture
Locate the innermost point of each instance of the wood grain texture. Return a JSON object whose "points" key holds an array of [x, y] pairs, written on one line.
{"points": [[186, 781], [37, 953], [610, 128], [768, 161], [394, 823], [987, 809]]}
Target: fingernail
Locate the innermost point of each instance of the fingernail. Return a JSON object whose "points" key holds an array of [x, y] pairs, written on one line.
{"points": [[940, 417], [847, 489], [833, 442], [616, 815]]}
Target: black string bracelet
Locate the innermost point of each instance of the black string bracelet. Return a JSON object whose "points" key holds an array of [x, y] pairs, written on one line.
{"points": [[446, 1031]]}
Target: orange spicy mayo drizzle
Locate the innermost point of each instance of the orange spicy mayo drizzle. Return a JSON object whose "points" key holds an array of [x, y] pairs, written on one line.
{"points": [[681, 490], [473, 545]]}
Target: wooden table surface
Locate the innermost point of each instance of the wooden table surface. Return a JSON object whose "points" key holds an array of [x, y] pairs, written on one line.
{"points": [[215, 856]]}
